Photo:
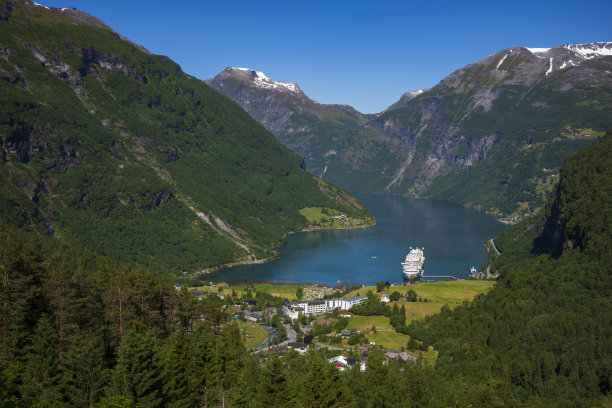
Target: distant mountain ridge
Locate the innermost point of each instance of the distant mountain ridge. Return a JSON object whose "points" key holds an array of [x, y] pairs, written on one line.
{"points": [[491, 135]]}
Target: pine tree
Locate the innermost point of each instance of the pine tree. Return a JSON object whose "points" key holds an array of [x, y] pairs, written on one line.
{"points": [[205, 371], [40, 379], [244, 393], [175, 380], [229, 350], [21, 303], [273, 385], [84, 373], [137, 373], [321, 385]]}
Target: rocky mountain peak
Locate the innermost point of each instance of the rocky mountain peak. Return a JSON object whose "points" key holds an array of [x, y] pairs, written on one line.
{"points": [[405, 98], [257, 79]]}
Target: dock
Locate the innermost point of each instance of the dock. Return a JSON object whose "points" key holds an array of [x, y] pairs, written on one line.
{"points": [[437, 278]]}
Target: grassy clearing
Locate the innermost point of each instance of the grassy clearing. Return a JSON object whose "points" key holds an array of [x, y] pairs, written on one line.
{"points": [[323, 218], [254, 335], [418, 310], [282, 290], [430, 356], [443, 292], [366, 322], [389, 339], [451, 291], [362, 291]]}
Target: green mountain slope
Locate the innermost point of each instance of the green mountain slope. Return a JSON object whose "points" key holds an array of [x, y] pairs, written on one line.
{"points": [[491, 135], [119, 151], [541, 337]]}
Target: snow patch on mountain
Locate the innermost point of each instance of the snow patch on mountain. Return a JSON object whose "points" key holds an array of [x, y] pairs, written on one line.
{"points": [[591, 50], [550, 68], [262, 81], [40, 5], [501, 61], [416, 93], [536, 51]]}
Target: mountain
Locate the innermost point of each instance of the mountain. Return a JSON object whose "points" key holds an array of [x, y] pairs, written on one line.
{"points": [[491, 135], [331, 138], [109, 147]]}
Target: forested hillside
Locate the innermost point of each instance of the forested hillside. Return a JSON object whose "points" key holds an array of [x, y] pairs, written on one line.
{"points": [[81, 330], [116, 150], [542, 336]]}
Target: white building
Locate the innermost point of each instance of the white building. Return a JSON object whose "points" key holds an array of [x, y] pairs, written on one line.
{"points": [[316, 307]]}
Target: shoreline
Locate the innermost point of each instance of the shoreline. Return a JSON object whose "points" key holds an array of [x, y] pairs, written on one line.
{"points": [[207, 271], [334, 228]]}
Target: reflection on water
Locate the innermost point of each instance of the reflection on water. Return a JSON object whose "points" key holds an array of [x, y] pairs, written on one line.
{"points": [[453, 238]]}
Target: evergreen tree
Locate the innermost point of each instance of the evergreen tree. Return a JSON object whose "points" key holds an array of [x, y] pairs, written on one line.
{"points": [[84, 373], [321, 385], [116, 401], [229, 350], [273, 384], [40, 379], [21, 303], [176, 360], [137, 373], [244, 393], [8, 386], [205, 371]]}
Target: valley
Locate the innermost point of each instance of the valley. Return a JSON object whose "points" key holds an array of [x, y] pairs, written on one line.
{"points": [[168, 241], [488, 136]]}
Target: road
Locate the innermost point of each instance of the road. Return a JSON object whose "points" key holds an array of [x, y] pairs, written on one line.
{"points": [[494, 246]]}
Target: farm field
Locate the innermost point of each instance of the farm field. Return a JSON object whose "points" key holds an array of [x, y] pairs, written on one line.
{"points": [[441, 292], [451, 291]]}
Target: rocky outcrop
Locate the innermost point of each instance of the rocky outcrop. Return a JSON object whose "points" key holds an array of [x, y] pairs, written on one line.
{"points": [[551, 237]]}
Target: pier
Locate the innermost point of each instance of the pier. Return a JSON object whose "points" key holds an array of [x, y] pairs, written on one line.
{"points": [[437, 278]]}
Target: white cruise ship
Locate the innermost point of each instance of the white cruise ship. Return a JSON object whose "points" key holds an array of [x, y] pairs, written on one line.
{"points": [[413, 265]]}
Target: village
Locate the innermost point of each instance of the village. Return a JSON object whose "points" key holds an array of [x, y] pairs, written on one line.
{"points": [[281, 319]]}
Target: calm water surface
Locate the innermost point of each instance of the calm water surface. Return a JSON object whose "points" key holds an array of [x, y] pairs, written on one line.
{"points": [[453, 238]]}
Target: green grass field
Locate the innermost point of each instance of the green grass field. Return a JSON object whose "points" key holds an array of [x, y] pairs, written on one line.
{"points": [[444, 292], [254, 335], [283, 290], [451, 291], [315, 216], [418, 310], [366, 322], [389, 339]]}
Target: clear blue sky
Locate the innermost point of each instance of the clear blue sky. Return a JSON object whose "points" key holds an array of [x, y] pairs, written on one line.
{"points": [[364, 54]]}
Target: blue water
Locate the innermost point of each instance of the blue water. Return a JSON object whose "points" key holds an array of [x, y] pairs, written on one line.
{"points": [[453, 238]]}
